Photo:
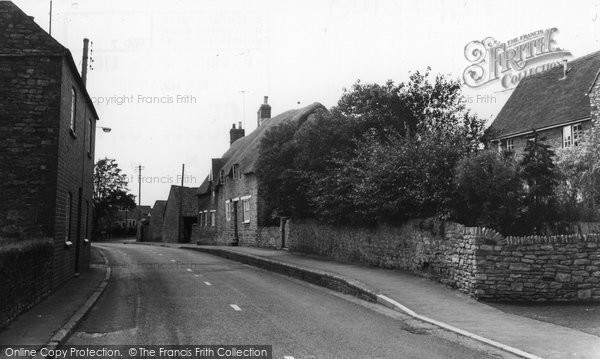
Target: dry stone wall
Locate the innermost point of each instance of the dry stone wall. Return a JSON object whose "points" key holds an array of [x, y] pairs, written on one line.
{"points": [[477, 261]]}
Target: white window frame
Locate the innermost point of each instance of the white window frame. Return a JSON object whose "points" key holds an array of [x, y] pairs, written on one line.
{"points": [[222, 176], [213, 218], [246, 210], [228, 207], [567, 136], [236, 171], [510, 144]]}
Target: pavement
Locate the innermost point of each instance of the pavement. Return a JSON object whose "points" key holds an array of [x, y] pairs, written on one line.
{"points": [[51, 321], [431, 301]]}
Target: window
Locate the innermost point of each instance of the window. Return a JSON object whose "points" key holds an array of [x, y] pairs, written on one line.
{"points": [[577, 132], [68, 217], [90, 136], [510, 145], [236, 172], [213, 219], [73, 122], [572, 135], [246, 210], [228, 211], [222, 176], [87, 219]]}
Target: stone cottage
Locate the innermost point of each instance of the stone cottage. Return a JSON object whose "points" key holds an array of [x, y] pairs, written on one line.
{"points": [[229, 200], [559, 104]]}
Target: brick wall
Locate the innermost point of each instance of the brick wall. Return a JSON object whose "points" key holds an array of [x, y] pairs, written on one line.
{"points": [[30, 93], [477, 261], [75, 177]]}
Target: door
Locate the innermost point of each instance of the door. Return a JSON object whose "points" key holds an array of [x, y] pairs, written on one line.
{"points": [[236, 237]]}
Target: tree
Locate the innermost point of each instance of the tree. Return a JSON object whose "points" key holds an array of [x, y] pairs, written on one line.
{"points": [[541, 178], [579, 182], [384, 152], [110, 192], [489, 192]]}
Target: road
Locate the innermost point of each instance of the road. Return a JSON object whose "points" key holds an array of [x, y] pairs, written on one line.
{"points": [[160, 295]]}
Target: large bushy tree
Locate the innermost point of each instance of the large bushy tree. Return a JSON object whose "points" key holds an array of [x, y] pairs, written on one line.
{"points": [[110, 193], [385, 152]]}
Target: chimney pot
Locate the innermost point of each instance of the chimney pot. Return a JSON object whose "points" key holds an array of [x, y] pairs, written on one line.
{"points": [[84, 62], [240, 125], [266, 100], [233, 126], [264, 112]]}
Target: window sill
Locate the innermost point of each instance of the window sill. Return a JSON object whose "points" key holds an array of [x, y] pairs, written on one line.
{"points": [[246, 222], [72, 133]]}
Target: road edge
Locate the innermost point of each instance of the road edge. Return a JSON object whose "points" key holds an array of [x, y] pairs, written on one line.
{"points": [[67, 329], [355, 288]]}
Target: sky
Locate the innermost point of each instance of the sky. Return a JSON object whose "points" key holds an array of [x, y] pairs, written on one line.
{"points": [[171, 77]]}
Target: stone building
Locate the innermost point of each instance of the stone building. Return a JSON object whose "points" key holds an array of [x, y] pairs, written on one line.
{"points": [[180, 214], [558, 104], [229, 201], [155, 225], [47, 131]]}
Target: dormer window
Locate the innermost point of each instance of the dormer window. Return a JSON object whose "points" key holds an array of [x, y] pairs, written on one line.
{"points": [[236, 172]]}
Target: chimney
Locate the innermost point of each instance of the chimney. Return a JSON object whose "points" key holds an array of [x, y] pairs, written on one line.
{"points": [[264, 112], [84, 61], [236, 133], [565, 68]]}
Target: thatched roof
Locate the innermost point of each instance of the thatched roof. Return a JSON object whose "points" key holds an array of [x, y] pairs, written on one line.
{"points": [[546, 99], [244, 151]]}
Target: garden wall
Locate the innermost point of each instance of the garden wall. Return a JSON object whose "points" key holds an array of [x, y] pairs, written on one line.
{"points": [[25, 276], [477, 261]]}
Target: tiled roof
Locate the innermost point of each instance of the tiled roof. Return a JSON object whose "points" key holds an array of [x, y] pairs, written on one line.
{"points": [[204, 187], [546, 99]]}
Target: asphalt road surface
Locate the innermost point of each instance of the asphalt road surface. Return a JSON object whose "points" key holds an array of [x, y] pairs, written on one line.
{"points": [[160, 295]]}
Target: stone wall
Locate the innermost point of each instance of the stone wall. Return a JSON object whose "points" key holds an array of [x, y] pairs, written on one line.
{"points": [[477, 261], [25, 276], [537, 268]]}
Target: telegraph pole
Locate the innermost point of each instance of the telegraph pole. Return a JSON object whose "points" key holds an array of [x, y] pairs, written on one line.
{"points": [[50, 20], [180, 231]]}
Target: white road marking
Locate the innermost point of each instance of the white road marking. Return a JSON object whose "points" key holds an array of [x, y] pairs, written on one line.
{"points": [[235, 307], [288, 357], [173, 260], [189, 270], [207, 283], [197, 275], [160, 254]]}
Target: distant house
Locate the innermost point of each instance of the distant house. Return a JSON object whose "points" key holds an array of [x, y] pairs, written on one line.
{"points": [[126, 220], [180, 214], [558, 104], [47, 131], [155, 225], [230, 207]]}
